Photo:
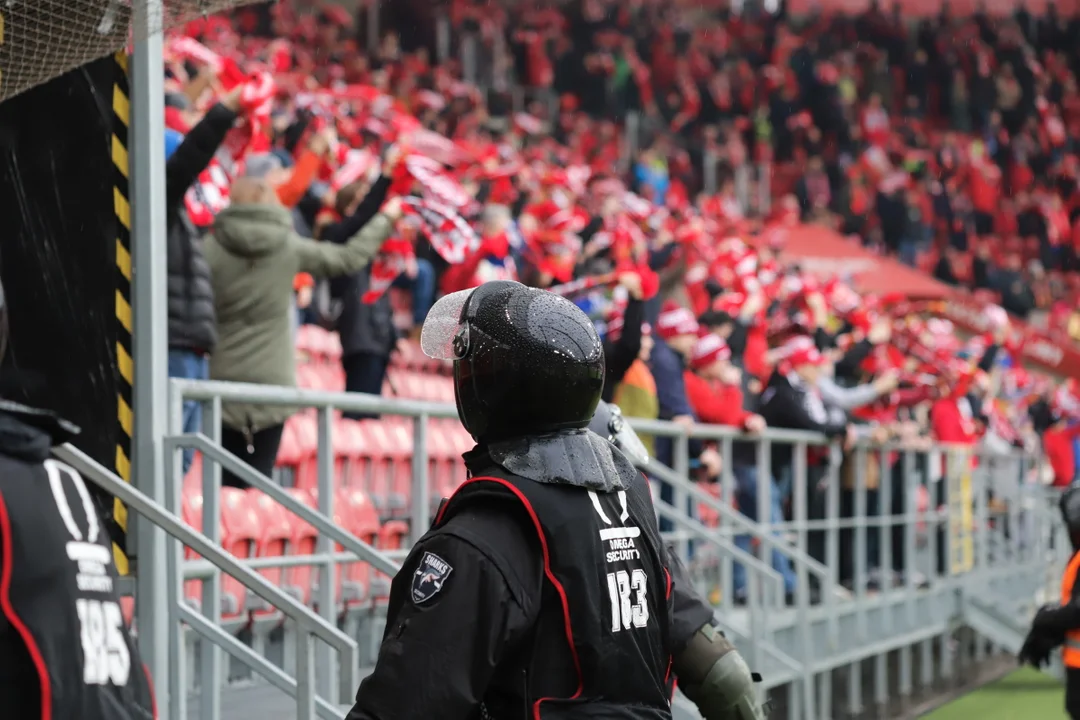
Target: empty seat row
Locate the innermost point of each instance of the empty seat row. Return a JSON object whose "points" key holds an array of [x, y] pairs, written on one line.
{"points": [[376, 456], [401, 383], [254, 525], [419, 386], [317, 346]]}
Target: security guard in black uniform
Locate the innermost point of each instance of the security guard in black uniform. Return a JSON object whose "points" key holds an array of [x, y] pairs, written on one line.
{"points": [[65, 652], [1059, 624], [540, 592], [709, 669]]}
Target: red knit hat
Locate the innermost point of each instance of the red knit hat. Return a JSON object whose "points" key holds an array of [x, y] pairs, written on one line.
{"points": [[709, 348], [675, 320], [801, 350]]}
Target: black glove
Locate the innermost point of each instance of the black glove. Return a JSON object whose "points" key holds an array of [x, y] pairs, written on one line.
{"points": [[1043, 616], [1036, 650]]}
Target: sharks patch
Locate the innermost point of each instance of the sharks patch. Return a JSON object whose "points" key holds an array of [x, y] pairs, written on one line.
{"points": [[429, 578]]}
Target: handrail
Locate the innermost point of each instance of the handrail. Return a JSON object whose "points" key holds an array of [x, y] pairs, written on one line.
{"points": [[708, 535], [320, 522], [666, 428], [271, 672], [304, 618], [280, 396], [666, 474]]}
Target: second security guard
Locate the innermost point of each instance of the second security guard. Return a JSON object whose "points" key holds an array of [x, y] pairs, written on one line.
{"points": [[540, 591], [1059, 625]]}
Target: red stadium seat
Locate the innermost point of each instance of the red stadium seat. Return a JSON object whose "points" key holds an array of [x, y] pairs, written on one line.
{"points": [[349, 449], [320, 342], [307, 344], [440, 459], [274, 539], [127, 609], [191, 513], [194, 473], [463, 442], [333, 348], [239, 534], [399, 431], [301, 579], [403, 357], [306, 433], [443, 388], [290, 453], [330, 377], [362, 520], [428, 384], [402, 383], [393, 535], [401, 305], [393, 382], [387, 461], [335, 376], [309, 377]]}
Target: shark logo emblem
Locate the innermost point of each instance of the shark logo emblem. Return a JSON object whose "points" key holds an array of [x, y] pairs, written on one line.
{"points": [[429, 578]]}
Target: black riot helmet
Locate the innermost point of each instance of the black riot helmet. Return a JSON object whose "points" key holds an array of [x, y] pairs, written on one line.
{"points": [[1070, 510], [526, 361], [608, 422]]}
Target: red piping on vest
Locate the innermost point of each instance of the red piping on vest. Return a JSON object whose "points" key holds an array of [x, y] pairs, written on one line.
{"points": [[671, 658], [547, 572], [153, 695], [13, 617]]}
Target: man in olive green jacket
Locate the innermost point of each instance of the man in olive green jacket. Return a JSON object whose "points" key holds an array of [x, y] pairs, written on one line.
{"points": [[254, 254]]}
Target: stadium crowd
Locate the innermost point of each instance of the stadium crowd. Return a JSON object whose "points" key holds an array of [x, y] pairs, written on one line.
{"points": [[949, 144]]}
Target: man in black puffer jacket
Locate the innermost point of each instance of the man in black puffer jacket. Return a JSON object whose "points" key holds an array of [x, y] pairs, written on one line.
{"points": [[367, 331], [192, 324]]}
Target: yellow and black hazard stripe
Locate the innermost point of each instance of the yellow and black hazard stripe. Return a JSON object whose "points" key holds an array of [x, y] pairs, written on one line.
{"points": [[125, 366]]}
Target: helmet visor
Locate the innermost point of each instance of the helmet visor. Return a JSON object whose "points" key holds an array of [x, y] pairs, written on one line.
{"points": [[445, 333]]}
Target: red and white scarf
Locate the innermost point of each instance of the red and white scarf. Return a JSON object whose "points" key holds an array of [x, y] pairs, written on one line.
{"points": [[447, 232], [209, 195]]}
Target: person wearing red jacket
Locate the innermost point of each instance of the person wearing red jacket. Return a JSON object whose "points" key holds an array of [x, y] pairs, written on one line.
{"points": [[952, 419], [492, 260], [1057, 440], [713, 387]]}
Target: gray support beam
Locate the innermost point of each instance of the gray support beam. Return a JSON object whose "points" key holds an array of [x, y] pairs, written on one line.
{"points": [[150, 320]]}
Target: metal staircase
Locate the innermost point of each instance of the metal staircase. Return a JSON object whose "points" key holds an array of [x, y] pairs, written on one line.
{"points": [[301, 687], [851, 652]]}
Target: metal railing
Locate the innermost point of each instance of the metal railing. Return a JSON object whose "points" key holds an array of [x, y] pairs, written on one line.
{"points": [[310, 625], [839, 526]]}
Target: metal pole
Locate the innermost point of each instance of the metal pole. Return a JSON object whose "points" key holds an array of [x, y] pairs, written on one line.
{"points": [[211, 678], [708, 172], [442, 37], [421, 484], [373, 26], [325, 594], [469, 59], [174, 482], [151, 363]]}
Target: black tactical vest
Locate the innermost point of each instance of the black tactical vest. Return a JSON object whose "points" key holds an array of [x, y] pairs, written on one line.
{"points": [[606, 610], [65, 651]]}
